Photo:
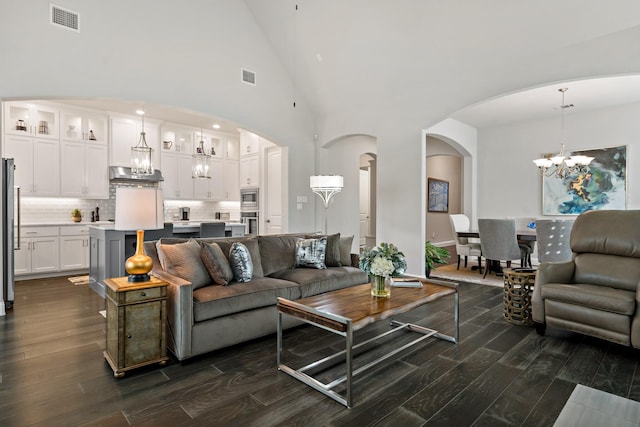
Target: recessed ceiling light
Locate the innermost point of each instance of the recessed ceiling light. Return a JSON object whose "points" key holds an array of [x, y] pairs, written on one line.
{"points": [[216, 126], [140, 112]]}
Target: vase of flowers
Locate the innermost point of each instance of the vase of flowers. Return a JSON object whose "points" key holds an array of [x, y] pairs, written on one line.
{"points": [[381, 263]]}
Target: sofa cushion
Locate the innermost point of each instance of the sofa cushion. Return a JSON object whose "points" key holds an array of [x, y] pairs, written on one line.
{"points": [[607, 270], [345, 250], [313, 282], [278, 252], [240, 261], [217, 301], [250, 242], [310, 253], [183, 260], [593, 296], [216, 263]]}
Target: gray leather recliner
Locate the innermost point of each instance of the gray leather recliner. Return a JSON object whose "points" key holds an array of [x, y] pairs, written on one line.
{"points": [[597, 293]]}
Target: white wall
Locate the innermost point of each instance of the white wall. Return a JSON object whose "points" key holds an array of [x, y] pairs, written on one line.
{"points": [[508, 181]]}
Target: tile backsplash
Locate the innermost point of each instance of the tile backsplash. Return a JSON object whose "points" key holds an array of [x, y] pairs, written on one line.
{"points": [[44, 210]]}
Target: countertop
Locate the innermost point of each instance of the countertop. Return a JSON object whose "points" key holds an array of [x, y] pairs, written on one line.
{"points": [[182, 225]]}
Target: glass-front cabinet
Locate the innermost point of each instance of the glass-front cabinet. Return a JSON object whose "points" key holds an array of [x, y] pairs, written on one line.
{"points": [[83, 126], [27, 119]]}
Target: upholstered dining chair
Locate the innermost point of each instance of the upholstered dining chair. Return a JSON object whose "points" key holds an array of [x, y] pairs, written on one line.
{"points": [[212, 229], [553, 238], [499, 242], [464, 247]]}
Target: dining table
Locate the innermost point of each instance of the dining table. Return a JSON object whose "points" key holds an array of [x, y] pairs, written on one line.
{"points": [[525, 234]]}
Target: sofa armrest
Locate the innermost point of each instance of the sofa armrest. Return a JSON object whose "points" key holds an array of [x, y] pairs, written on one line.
{"points": [[179, 314], [549, 272], [635, 321]]}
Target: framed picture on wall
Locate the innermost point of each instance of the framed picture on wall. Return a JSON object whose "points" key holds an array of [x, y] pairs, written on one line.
{"points": [[603, 186], [438, 195]]}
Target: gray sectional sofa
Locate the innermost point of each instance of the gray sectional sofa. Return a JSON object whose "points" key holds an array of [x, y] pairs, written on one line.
{"points": [[203, 316]]}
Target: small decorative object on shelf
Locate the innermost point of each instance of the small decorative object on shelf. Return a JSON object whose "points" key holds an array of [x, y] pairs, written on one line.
{"points": [[21, 125], [43, 127], [381, 263], [92, 137], [76, 215]]}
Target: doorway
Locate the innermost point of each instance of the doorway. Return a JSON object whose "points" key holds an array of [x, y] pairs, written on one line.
{"points": [[367, 211]]}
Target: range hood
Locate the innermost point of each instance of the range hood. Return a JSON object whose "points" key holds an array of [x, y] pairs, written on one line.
{"points": [[122, 174]]}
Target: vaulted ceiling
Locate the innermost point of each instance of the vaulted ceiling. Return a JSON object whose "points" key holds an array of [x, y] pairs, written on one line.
{"points": [[345, 55]]}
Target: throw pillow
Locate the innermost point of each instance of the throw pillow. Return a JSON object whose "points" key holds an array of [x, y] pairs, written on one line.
{"points": [[216, 263], [310, 253], [183, 260], [240, 260], [345, 250], [332, 253]]}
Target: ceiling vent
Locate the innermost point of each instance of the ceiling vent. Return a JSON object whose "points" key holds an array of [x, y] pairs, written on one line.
{"points": [[248, 77], [64, 18]]}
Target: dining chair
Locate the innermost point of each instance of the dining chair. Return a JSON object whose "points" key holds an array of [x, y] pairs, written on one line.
{"points": [[522, 223], [499, 242], [553, 240], [212, 229], [464, 247]]}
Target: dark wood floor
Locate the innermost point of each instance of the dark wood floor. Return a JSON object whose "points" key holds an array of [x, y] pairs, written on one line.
{"points": [[52, 372]]}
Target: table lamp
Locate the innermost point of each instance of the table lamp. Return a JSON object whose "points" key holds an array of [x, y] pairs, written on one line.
{"points": [[139, 208]]}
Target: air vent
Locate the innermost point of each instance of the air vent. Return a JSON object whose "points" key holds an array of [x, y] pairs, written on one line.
{"points": [[64, 18], [248, 77]]}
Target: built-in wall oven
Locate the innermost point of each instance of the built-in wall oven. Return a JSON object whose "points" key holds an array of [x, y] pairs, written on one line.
{"points": [[249, 199], [250, 219]]}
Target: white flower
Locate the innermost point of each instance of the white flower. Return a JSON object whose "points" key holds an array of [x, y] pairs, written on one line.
{"points": [[381, 266]]}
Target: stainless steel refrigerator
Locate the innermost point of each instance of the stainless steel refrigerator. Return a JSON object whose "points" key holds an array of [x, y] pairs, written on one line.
{"points": [[10, 196]]}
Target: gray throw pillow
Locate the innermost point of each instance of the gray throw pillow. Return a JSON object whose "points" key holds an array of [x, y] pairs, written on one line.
{"points": [[345, 250], [216, 263], [183, 260], [240, 260], [310, 253]]}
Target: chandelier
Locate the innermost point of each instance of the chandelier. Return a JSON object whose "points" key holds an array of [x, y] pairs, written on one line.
{"points": [[558, 164], [200, 161], [141, 154]]}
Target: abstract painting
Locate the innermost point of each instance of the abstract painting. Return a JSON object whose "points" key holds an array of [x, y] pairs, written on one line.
{"points": [[603, 186], [438, 193]]}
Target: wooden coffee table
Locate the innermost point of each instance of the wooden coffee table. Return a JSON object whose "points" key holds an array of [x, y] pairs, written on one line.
{"points": [[347, 310]]}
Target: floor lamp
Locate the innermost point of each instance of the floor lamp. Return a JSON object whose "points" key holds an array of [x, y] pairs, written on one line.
{"points": [[139, 208], [326, 186]]}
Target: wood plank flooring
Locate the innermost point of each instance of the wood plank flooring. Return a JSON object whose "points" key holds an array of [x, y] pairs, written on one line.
{"points": [[52, 372]]}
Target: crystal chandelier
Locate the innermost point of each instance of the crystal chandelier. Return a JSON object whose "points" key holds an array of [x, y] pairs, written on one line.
{"points": [[560, 165], [141, 154], [200, 162]]}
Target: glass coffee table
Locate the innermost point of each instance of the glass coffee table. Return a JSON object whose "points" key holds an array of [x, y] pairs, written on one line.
{"points": [[345, 311]]}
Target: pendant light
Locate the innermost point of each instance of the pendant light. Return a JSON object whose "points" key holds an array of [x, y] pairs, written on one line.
{"points": [[200, 162], [141, 154]]}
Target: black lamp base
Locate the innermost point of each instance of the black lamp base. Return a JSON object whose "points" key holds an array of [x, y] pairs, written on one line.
{"points": [[135, 278]]}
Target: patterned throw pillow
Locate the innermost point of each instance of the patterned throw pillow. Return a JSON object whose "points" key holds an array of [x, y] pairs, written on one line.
{"points": [[240, 261], [216, 263], [310, 253], [332, 253]]}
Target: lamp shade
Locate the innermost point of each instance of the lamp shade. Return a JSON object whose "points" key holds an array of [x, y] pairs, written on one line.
{"points": [[333, 182], [139, 208]]}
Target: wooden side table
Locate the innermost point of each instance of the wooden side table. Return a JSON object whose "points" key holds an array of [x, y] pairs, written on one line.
{"points": [[136, 324]]}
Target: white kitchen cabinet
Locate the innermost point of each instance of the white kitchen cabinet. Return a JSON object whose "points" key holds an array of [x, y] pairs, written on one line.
{"points": [[176, 170], [37, 164], [74, 248], [215, 187], [125, 134], [39, 249], [232, 172], [249, 171], [249, 143], [28, 119], [76, 125], [84, 170], [233, 148]]}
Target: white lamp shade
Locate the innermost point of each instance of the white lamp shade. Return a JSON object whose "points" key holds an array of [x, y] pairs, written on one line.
{"points": [[326, 181], [139, 208]]}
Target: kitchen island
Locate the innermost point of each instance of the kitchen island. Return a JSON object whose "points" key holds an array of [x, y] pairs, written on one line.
{"points": [[109, 248]]}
